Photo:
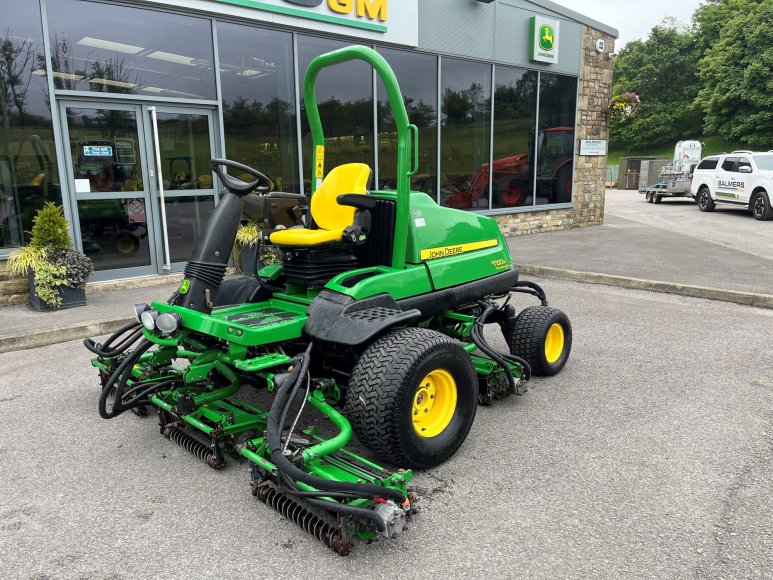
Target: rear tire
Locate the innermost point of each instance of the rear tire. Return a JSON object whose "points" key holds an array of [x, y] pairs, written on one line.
{"points": [[542, 335], [420, 392], [760, 206], [705, 203]]}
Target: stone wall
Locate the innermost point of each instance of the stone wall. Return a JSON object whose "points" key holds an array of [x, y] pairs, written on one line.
{"points": [[13, 290], [595, 91]]}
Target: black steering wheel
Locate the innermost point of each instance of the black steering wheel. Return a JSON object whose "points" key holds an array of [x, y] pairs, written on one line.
{"points": [[262, 184]]}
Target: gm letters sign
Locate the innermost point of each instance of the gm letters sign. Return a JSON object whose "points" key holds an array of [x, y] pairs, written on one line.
{"points": [[370, 9], [544, 40]]}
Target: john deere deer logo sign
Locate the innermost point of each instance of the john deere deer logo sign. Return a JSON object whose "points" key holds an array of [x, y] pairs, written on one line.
{"points": [[546, 36], [544, 39]]}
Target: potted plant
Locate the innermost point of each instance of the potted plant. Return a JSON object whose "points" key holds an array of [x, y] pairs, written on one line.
{"points": [[252, 255], [57, 273]]}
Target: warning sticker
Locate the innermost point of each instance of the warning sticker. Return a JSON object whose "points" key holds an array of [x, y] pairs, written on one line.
{"points": [[320, 158], [136, 210]]}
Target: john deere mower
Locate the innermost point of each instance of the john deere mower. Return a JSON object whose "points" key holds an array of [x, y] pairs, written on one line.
{"points": [[374, 320]]}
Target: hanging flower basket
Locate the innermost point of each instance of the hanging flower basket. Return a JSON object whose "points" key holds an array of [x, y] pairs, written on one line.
{"points": [[624, 106]]}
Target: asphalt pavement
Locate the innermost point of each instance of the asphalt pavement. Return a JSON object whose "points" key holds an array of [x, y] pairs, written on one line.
{"points": [[649, 456], [670, 242]]}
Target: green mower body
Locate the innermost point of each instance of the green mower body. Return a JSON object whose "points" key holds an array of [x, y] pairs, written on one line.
{"points": [[379, 333]]}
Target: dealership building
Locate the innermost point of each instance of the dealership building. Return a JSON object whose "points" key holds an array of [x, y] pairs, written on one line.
{"points": [[114, 109]]}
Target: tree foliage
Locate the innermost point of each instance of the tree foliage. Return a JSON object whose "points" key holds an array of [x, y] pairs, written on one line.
{"points": [[737, 70], [713, 78], [662, 70]]}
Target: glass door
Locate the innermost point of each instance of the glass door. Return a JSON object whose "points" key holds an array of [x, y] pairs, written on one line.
{"points": [[180, 144], [108, 177]]}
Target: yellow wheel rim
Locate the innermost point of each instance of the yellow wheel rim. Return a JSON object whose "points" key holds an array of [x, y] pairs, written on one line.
{"points": [[434, 403], [125, 245], [554, 343]]}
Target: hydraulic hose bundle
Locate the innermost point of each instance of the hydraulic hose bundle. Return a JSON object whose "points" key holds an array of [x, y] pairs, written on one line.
{"points": [[290, 474], [487, 308]]}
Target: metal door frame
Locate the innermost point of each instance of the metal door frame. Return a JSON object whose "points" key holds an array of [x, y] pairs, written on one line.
{"points": [[155, 191], [146, 194]]}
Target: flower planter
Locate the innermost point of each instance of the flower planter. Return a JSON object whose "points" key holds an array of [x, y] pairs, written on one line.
{"points": [[71, 297]]}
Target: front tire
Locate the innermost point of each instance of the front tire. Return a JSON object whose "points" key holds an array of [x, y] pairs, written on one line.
{"points": [[648, 196], [760, 206], [542, 335], [657, 198], [705, 203], [420, 394]]}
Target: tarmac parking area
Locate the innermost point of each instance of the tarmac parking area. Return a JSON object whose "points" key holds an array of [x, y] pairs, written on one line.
{"points": [[650, 456]]}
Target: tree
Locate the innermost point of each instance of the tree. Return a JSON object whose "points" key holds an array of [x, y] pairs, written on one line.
{"points": [[737, 70], [662, 70]]}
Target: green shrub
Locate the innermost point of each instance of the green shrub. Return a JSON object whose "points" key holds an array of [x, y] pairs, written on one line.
{"points": [[49, 228]]}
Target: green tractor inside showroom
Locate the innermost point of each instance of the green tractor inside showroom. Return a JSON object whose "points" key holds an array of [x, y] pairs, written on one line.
{"points": [[374, 320]]}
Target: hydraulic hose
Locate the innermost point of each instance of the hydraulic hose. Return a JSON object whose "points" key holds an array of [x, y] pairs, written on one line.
{"points": [[120, 371], [499, 358], [105, 350], [314, 498], [288, 469]]}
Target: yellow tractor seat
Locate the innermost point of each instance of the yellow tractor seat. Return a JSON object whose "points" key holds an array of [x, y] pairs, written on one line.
{"points": [[331, 217]]}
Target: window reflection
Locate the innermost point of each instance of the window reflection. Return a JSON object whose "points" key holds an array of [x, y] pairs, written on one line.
{"points": [[116, 49], [256, 77], [28, 169], [417, 75], [185, 151], [555, 139], [187, 218], [105, 149], [465, 134], [515, 109], [114, 232], [345, 100]]}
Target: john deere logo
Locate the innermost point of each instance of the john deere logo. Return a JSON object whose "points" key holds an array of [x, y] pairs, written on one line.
{"points": [[185, 286], [547, 35], [544, 34]]}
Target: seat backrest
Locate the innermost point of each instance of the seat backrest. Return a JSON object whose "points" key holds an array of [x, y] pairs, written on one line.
{"points": [[325, 209]]}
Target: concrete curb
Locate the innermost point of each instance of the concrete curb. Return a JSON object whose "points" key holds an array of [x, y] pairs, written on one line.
{"points": [[50, 336], [733, 296]]}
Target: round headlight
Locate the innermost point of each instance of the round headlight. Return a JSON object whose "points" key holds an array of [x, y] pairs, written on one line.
{"points": [[168, 323], [148, 318], [139, 309]]}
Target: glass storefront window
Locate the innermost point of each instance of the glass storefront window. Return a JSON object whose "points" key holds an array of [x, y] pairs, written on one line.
{"points": [[187, 217], [345, 100], [417, 75], [113, 234], [105, 48], [465, 134], [28, 168], [185, 151], [515, 112], [105, 149], [256, 79], [555, 139]]}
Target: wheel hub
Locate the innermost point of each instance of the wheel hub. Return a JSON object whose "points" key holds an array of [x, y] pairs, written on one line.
{"points": [[554, 343], [434, 403]]}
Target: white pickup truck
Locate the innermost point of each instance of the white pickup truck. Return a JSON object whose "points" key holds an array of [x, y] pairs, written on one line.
{"points": [[742, 178]]}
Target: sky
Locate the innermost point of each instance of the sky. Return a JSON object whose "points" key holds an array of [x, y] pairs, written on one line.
{"points": [[633, 18]]}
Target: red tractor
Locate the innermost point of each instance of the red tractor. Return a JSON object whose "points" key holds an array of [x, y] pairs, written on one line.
{"points": [[512, 176]]}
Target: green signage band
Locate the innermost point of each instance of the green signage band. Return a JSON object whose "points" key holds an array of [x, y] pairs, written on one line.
{"points": [[288, 11]]}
